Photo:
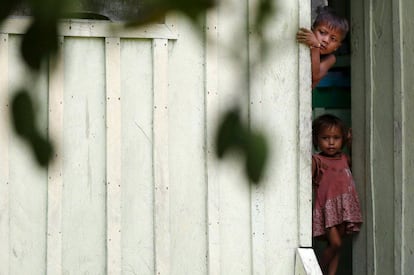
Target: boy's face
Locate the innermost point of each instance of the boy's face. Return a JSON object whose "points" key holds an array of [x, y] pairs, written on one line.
{"points": [[329, 38]]}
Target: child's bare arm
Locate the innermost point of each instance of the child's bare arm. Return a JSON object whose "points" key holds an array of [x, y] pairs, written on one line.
{"points": [[320, 66]]}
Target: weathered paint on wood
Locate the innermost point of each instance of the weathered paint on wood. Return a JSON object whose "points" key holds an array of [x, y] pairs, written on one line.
{"points": [[55, 172], [305, 138], [27, 208], [4, 152], [137, 158], [213, 187], [406, 103], [113, 154], [84, 157], [136, 187], [161, 157], [382, 155], [306, 262], [187, 149], [93, 28]]}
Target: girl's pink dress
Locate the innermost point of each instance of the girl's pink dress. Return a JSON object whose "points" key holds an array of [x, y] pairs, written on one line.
{"points": [[336, 200]]}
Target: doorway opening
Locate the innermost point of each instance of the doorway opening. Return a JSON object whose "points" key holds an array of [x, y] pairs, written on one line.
{"points": [[333, 95]]}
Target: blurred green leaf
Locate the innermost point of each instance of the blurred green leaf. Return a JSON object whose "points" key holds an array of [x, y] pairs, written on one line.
{"points": [[7, 6], [256, 156], [230, 133], [23, 114], [23, 120], [42, 149], [191, 8], [39, 42], [233, 135]]}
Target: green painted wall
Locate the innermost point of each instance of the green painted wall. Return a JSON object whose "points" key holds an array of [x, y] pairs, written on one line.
{"points": [[382, 42]]}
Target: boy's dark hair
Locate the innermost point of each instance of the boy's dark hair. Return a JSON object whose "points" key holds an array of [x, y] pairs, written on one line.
{"points": [[327, 121], [326, 15]]}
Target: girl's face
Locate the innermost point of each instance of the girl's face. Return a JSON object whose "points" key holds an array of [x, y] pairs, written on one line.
{"points": [[329, 38], [330, 140]]}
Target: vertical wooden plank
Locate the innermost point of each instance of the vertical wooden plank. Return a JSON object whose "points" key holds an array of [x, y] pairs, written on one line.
{"points": [[161, 157], [55, 181], [113, 157], [234, 187], [257, 190], [382, 135], [368, 88], [4, 153], [212, 111], [399, 140], [137, 169], [188, 187], [360, 118], [274, 104], [84, 177], [407, 58], [305, 134], [28, 181], [258, 229]]}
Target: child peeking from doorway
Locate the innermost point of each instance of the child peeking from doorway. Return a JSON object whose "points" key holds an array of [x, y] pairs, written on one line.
{"points": [[336, 210], [328, 31]]}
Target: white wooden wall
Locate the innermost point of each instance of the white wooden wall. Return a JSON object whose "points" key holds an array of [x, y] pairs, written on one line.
{"points": [[135, 187]]}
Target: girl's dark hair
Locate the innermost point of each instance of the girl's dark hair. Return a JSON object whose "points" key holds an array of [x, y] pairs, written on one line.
{"points": [[327, 121], [326, 15]]}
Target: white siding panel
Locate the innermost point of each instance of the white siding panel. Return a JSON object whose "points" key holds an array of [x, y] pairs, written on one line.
{"points": [[84, 226], [27, 182], [135, 186], [274, 109], [234, 193], [4, 159], [257, 191], [113, 154], [304, 136], [187, 154], [212, 107], [161, 158], [93, 28], [55, 172], [137, 160]]}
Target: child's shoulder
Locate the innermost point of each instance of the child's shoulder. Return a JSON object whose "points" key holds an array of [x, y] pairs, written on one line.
{"points": [[331, 57]]}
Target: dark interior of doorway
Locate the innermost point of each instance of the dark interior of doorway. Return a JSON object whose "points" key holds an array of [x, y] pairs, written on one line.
{"points": [[333, 95]]}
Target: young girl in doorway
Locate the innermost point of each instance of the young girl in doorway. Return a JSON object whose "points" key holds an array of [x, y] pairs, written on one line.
{"points": [[336, 211], [328, 31]]}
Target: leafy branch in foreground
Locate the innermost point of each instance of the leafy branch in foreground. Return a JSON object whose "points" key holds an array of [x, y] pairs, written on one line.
{"points": [[40, 44], [234, 135]]}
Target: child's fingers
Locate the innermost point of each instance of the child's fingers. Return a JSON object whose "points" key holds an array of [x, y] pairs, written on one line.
{"points": [[302, 39], [305, 36], [302, 36], [305, 30]]}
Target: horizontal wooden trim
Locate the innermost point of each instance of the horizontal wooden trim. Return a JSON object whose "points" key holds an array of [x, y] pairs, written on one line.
{"points": [[94, 28]]}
